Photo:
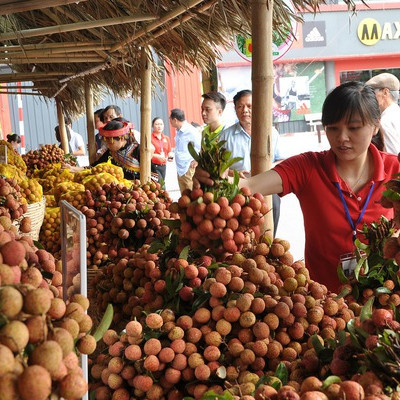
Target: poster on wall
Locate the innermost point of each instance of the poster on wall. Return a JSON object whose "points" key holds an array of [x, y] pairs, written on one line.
{"points": [[298, 89]]}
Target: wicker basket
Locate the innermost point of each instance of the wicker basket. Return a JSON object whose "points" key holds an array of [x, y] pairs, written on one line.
{"points": [[36, 213]]}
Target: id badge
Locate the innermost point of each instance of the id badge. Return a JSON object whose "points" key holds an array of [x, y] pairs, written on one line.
{"points": [[348, 263]]}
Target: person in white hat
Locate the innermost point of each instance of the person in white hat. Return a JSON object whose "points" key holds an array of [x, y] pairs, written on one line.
{"points": [[386, 87]]}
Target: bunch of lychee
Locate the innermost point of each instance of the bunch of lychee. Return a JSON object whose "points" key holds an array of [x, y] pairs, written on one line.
{"points": [[247, 316], [221, 224], [39, 159], [38, 329], [11, 201], [119, 217]]}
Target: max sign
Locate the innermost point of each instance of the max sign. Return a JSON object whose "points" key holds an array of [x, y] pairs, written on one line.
{"points": [[370, 31]]}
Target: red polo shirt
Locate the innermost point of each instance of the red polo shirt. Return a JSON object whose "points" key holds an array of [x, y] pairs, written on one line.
{"points": [[161, 145], [311, 177]]}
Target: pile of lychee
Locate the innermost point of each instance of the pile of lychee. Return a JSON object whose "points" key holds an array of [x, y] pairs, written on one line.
{"points": [[38, 159], [254, 312], [38, 330], [221, 224]]}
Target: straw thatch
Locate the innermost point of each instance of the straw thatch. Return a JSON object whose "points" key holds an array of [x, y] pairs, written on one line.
{"points": [[57, 43]]}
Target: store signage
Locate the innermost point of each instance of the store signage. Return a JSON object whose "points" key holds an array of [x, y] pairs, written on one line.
{"points": [[280, 45], [370, 31], [314, 34]]}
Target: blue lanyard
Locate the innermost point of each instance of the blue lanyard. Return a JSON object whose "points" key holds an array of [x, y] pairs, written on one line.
{"points": [[346, 209]]}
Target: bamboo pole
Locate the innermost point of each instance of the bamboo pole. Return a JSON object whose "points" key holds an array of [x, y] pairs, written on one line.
{"points": [[160, 21], [55, 45], [21, 93], [54, 51], [262, 76], [54, 60], [145, 117], [61, 124], [90, 122], [11, 7], [76, 26]]}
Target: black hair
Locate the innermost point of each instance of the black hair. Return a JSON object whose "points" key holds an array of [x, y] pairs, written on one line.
{"points": [[113, 125], [217, 98], [13, 137], [67, 120], [113, 107], [155, 119], [348, 99], [178, 114], [58, 136], [120, 119], [241, 94], [99, 112]]}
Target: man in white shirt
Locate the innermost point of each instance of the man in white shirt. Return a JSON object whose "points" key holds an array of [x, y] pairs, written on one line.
{"points": [[238, 141], [185, 133], [386, 88]]}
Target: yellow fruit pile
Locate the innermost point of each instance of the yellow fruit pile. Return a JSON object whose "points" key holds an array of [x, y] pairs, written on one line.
{"points": [[50, 200], [13, 158], [81, 175], [65, 187], [50, 232], [75, 198], [12, 172], [31, 190], [95, 182], [110, 168]]}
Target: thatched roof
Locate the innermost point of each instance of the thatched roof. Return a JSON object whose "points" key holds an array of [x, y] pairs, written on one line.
{"points": [[57, 43]]}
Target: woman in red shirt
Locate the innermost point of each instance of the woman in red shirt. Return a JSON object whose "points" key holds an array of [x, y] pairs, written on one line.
{"points": [[162, 151]]}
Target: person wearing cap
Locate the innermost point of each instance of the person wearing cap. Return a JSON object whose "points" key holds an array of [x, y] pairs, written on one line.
{"points": [[386, 87]]}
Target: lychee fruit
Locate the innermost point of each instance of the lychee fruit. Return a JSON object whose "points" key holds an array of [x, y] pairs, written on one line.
{"points": [[34, 383]]}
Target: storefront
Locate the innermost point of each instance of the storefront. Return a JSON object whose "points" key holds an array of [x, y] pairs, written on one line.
{"points": [[331, 47]]}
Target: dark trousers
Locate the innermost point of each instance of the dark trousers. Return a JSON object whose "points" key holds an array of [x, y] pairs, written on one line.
{"points": [[161, 171]]}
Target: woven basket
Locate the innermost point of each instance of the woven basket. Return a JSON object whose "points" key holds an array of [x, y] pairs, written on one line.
{"points": [[36, 213]]}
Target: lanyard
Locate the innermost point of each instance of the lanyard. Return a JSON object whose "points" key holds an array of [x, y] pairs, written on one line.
{"points": [[346, 209]]}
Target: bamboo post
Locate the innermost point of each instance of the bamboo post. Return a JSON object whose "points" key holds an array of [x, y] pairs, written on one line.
{"points": [[90, 122], [145, 117], [61, 124], [262, 75]]}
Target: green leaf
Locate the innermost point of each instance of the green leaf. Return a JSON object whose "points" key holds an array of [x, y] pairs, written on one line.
{"points": [[382, 290], [329, 380], [92, 395], [357, 269], [366, 311], [156, 246], [318, 346], [360, 245], [38, 245], [193, 152], [47, 275], [346, 291], [184, 253], [104, 323], [342, 337], [262, 381], [172, 223], [282, 373], [342, 277]]}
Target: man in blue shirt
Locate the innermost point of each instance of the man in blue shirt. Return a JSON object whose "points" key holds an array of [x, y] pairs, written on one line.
{"points": [[185, 133], [238, 142]]}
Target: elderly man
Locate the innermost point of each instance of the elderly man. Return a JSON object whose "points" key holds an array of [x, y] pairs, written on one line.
{"points": [[386, 88], [238, 142]]}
